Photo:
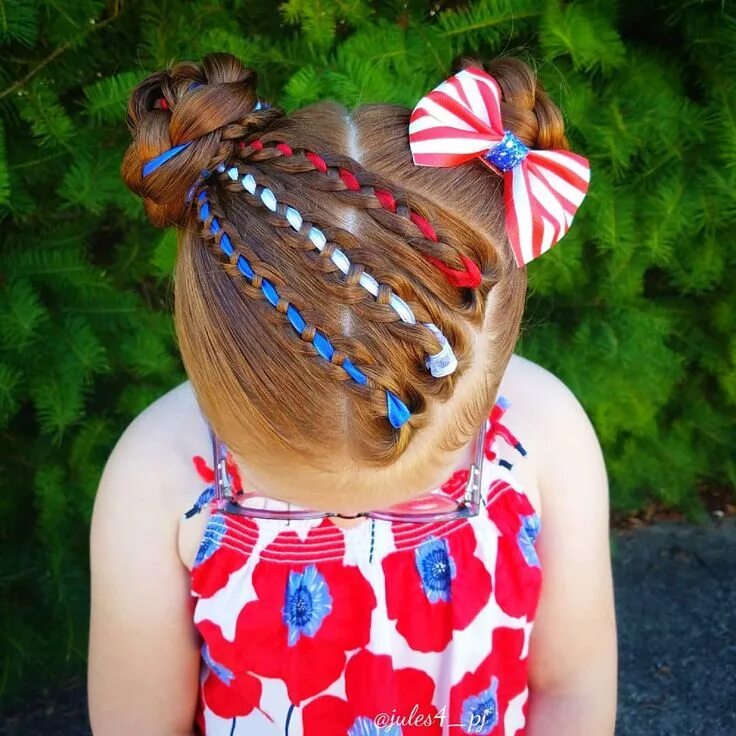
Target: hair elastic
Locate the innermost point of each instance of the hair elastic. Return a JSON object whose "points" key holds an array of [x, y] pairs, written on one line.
{"points": [[507, 153]]}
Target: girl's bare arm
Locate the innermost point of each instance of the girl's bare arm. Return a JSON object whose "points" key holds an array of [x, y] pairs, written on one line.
{"points": [[143, 647], [573, 657]]}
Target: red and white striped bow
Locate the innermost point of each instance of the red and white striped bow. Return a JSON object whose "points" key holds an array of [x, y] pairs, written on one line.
{"points": [[461, 120]]}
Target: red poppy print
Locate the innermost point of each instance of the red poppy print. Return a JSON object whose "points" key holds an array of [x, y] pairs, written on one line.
{"points": [[290, 627], [227, 694], [215, 561], [437, 588], [518, 577], [479, 701], [305, 617], [378, 700]]}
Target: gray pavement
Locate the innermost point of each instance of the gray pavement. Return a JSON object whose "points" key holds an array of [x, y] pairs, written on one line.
{"points": [[676, 617]]}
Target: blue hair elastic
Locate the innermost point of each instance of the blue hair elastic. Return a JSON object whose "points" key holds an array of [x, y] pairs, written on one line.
{"points": [[398, 413]]}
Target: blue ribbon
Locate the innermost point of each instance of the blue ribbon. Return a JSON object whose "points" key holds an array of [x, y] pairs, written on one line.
{"points": [[151, 166]]}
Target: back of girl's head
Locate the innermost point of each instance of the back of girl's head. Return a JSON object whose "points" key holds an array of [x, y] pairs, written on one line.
{"points": [[326, 220]]}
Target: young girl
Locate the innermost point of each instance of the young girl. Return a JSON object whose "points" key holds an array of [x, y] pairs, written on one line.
{"points": [[335, 526]]}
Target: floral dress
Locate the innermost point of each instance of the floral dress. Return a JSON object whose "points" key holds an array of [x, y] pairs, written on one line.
{"points": [[386, 627]]}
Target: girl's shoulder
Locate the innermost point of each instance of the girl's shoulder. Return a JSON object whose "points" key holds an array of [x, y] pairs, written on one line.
{"points": [[551, 423], [150, 465], [150, 480]]}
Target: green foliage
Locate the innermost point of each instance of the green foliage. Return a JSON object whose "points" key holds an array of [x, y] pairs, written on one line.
{"points": [[18, 21], [589, 39], [635, 310], [318, 20]]}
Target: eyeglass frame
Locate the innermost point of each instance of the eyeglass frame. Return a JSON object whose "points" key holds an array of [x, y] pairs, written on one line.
{"points": [[468, 506]]}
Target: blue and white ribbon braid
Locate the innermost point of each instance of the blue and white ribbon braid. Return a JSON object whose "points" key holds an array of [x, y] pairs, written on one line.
{"points": [[442, 363], [398, 413]]}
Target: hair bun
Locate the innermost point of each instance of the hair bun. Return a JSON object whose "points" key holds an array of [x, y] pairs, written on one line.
{"points": [[210, 105], [526, 108]]}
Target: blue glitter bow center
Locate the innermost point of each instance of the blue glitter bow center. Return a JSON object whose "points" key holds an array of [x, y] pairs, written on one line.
{"points": [[507, 153]]}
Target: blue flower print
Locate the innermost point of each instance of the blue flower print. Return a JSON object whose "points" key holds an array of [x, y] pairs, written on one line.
{"points": [[308, 601], [436, 568], [527, 536], [204, 498], [213, 534], [364, 726], [480, 712], [215, 667]]}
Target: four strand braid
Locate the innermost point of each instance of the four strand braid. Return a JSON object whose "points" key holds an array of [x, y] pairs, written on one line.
{"points": [[373, 300], [216, 230], [362, 188]]}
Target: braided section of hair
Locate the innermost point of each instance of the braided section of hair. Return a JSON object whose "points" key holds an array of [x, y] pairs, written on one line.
{"points": [[263, 283], [272, 293], [526, 107], [211, 103], [387, 204], [333, 246]]}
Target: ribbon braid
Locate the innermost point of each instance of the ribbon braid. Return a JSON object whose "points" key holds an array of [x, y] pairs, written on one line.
{"points": [[457, 268], [440, 364], [397, 412]]}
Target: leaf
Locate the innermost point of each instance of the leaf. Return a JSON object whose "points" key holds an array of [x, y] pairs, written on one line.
{"points": [[18, 21], [4, 172], [587, 37], [49, 121], [318, 19], [11, 383], [164, 254], [92, 181], [106, 100], [59, 402], [303, 88], [487, 23], [22, 315]]}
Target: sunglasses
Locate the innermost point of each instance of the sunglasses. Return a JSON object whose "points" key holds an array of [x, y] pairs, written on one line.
{"points": [[435, 505]]}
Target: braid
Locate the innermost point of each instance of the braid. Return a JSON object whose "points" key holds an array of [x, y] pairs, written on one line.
{"points": [[385, 307], [218, 231], [364, 189]]}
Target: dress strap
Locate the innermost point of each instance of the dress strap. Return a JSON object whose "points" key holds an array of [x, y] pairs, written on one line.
{"points": [[496, 428]]}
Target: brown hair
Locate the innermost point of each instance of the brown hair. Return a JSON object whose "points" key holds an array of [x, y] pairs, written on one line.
{"points": [[263, 386]]}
